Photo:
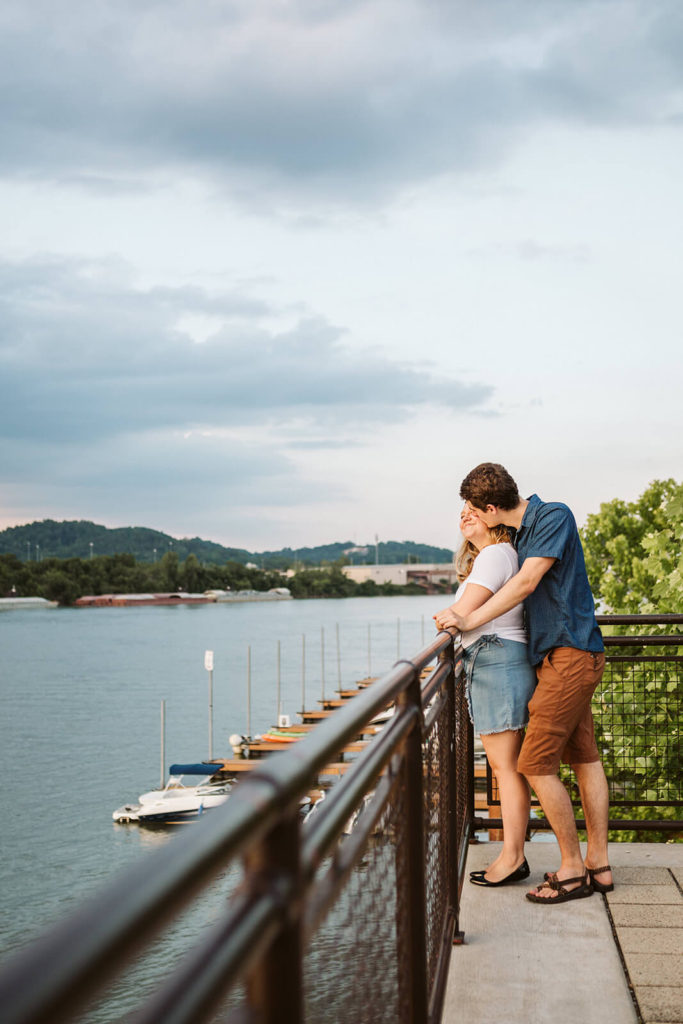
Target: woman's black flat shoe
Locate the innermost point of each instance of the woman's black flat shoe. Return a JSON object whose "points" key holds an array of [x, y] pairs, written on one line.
{"points": [[520, 873]]}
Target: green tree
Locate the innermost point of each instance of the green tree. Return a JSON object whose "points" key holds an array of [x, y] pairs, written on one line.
{"points": [[58, 585], [170, 572], [12, 576], [664, 558], [190, 575], [634, 557], [627, 544]]}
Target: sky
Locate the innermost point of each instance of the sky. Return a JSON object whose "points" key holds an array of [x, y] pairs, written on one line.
{"points": [[281, 272]]}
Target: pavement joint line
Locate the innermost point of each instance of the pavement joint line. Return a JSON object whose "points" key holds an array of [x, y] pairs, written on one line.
{"points": [[675, 881], [629, 982], [639, 944]]}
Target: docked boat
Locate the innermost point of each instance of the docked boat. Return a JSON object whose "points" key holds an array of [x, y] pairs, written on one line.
{"points": [[276, 735], [179, 801]]}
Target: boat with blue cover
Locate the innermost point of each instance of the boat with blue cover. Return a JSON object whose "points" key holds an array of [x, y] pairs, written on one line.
{"points": [[180, 800]]}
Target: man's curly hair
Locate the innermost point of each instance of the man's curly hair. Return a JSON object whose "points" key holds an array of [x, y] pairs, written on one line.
{"points": [[489, 483]]}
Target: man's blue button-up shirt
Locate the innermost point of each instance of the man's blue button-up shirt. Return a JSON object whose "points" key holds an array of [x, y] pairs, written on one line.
{"points": [[561, 611]]}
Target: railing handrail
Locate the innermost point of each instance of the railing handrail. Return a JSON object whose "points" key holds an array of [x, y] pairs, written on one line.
{"points": [[642, 640], [662, 619], [78, 955]]}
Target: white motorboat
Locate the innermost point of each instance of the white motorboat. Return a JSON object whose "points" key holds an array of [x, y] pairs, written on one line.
{"points": [[309, 810], [384, 716], [312, 807], [179, 801]]}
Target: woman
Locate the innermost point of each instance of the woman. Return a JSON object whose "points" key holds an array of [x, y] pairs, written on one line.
{"points": [[500, 683]]}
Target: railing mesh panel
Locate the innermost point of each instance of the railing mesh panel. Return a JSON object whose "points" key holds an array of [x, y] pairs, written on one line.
{"points": [[464, 741], [637, 710], [353, 963], [435, 795]]}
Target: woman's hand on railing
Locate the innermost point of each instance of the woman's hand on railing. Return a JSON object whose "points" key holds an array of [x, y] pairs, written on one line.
{"points": [[449, 619]]}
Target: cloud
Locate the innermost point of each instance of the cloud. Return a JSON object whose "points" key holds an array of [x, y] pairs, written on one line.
{"points": [[531, 251], [218, 487], [110, 410], [85, 355], [346, 100]]}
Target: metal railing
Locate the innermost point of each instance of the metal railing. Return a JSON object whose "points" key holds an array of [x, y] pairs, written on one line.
{"points": [[637, 713], [348, 917]]}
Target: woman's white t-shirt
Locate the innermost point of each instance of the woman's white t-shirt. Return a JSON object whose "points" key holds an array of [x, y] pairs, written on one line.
{"points": [[493, 567]]}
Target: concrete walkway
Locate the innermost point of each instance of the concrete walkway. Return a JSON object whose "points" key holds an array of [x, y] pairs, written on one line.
{"points": [[522, 962]]}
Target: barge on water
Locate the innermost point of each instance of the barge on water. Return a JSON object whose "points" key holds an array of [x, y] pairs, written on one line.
{"points": [[136, 600], [180, 597]]}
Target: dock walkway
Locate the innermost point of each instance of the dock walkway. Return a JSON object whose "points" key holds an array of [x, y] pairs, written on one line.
{"points": [[602, 960]]}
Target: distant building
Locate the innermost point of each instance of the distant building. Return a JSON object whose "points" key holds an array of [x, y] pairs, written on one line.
{"points": [[356, 551], [428, 575]]}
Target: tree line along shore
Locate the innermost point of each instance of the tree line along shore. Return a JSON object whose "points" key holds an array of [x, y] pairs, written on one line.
{"points": [[634, 557], [66, 579]]}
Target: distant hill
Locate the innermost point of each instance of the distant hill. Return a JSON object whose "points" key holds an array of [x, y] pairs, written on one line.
{"points": [[388, 553], [78, 538]]}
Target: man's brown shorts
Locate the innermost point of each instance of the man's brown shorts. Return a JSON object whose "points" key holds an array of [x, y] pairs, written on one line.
{"points": [[560, 718]]}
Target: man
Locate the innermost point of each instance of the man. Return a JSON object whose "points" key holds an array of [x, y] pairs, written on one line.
{"points": [[566, 648]]}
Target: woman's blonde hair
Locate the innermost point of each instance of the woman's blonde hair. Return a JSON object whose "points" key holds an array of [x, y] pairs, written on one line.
{"points": [[464, 559]]}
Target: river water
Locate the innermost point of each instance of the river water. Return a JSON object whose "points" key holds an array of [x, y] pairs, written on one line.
{"points": [[80, 728]]}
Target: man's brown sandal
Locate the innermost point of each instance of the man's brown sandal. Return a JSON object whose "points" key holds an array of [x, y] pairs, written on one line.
{"points": [[563, 895], [597, 886], [600, 886]]}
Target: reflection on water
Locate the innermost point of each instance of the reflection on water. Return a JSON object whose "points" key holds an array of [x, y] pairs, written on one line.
{"points": [[149, 970], [351, 967]]}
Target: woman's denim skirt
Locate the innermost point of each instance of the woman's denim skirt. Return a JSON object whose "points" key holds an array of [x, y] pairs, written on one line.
{"points": [[500, 684]]}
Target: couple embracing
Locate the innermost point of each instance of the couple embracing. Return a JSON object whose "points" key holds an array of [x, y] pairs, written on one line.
{"points": [[533, 654]]}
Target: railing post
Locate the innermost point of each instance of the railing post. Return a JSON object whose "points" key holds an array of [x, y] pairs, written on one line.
{"points": [[454, 829], [414, 986], [275, 984], [464, 799], [469, 775]]}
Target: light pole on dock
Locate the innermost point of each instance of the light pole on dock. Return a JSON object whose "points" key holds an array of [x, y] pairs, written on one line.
{"points": [[369, 650], [163, 744], [322, 660], [249, 692], [277, 718], [208, 665], [303, 671], [339, 682]]}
